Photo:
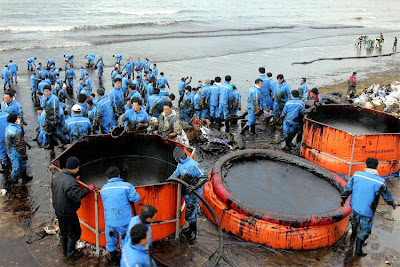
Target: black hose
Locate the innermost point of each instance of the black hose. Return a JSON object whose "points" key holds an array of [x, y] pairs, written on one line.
{"points": [[221, 237]]}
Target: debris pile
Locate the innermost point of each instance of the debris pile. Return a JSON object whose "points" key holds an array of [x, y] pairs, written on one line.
{"points": [[381, 97]]}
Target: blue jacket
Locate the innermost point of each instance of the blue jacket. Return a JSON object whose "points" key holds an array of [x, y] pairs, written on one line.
{"points": [[133, 66], [50, 62], [293, 108], [282, 88], [237, 98], [155, 71], [265, 89], [136, 220], [89, 84], [162, 81], [146, 66], [116, 196], [91, 58], [83, 74], [365, 189], [131, 117], [139, 65], [135, 256], [51, 106], [191, 167], [152, 101], [225, 94], [253, 98], [205, 95], [100, 66], [214, 95], [6, 74], [135, 94], [15, 144], [70, 74], [164, 92], [303, 88], [117, 99], [181, 86], [13, 108], [34, 83], [77, 126], [92, 114], [31, 60], [104, 111], [118, 57], [13, 67], [128, 67], [3, 125], [196, 100]]}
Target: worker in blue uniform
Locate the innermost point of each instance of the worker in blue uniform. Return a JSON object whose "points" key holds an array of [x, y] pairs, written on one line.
{"points": [[197, 103], [128, 69], [50, 62], [41, 134], [100, 69], [235, 105], [205, 100], [280, 94], [83, 73], [135, 252], [16, 150], [187, 105], [265, 91], [303, 88], [90, 60], [30, 62], [147, 216], [70, 76], [136, 118], [189, 171], [104, 112], [214, 100], [183, 82], [117, 101], [133, 92], [3, 151], [70, 59], [34, 85], [77, 125], [292, 114], [88, 82], [155, 71], [92, 115], [118, 57], [152, 102], [253, 106], [162, 80], [139, 64], [6, 77], [52, 75], [11, 105], [114, 74], [117, 197], [225, 96], [124, 84], [13, 71], [51, 107], [146, 65], [365, 188]]}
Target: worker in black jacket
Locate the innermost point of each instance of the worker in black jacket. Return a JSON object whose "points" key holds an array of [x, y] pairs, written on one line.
{"points": [[67, 196]]}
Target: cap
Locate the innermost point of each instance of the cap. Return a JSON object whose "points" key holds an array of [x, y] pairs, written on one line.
{"points": [[314, 91], [354, 72], [76, 108], [72, 163]]}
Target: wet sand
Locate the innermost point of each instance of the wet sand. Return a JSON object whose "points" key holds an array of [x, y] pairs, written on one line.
{"points": [[280, 188]]}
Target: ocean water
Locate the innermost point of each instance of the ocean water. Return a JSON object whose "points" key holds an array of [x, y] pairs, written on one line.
{"points": [[205, 38]]}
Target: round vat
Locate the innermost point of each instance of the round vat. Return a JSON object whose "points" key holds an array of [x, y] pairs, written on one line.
{"points": [[277, 199], [145, 161], [341, 137]]}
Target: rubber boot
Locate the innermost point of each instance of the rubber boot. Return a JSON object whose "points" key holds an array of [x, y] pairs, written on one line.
{"points": [[64, 245], [26, 177], [16, 80], [114, 258], [253, 129], [4, 168], [50, 142], [227, 125], [359, 244], [192, 233], [245, 128], [72, 252], [219, 121], [287, 142]]}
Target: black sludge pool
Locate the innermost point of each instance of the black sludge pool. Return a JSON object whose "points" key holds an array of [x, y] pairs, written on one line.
{"points": [[279, 187]]}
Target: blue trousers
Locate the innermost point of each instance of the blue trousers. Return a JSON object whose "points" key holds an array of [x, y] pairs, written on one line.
{"points": [[198, 113], [214, 111], [112, 235], [3, 152], [205, 113], [70, 82], [277, 109], [290, 128], [234, 111], [192, 203], [18, 164], [13, 74], [363, 224], [105, 129], [185, 114], [224, 111], [251, 117], [100, 73]]}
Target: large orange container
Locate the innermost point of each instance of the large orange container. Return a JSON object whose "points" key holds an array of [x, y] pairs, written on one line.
{"points": [[340, 138], [277, 230], [163, 196]]}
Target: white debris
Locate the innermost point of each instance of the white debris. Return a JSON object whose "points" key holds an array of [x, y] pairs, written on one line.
{"points": [[381, 97], [80, 244], [3, 192], [51, 230]]}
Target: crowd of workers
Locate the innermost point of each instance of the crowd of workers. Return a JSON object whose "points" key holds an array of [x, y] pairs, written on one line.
{"points": [[140, 101]]}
